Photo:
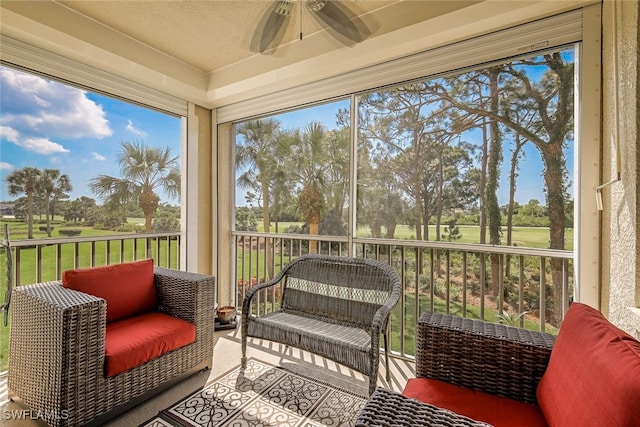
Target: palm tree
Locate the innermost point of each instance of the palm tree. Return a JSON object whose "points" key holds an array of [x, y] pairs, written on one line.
{"points": [[25, 181], [144, 170], [50, 184], [257, 153], [311, 160], [261, 153]]}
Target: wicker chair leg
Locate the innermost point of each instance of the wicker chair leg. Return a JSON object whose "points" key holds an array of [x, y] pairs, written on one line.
{"points": [[373, 382], [386, 353], [243, 359]]}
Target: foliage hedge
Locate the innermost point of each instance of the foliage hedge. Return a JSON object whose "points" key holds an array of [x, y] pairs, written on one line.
{"points": [[70, 232]]}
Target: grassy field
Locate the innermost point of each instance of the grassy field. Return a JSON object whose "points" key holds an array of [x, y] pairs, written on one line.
{"points": [[531, 237]]}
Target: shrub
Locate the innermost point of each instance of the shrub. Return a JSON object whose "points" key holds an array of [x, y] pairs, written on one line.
{"points": [[70, 232], [44, 228], [130, 228]]}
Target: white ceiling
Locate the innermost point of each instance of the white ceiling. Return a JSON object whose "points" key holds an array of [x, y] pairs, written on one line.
{"points": [[210, 35], [199, 49]]}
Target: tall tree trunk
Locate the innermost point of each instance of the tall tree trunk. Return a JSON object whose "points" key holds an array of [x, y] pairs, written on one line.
{"points": [[439, 214], [494, 159], [266, 224], [439, 198], [419, 214], [314, 230], [391, 229], [513, 175], [47, 206], [553, 159], [30, 215], [148, 202], [483, 183]]}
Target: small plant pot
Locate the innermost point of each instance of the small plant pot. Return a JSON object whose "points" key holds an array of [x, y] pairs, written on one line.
{"points": [[226, 314]]}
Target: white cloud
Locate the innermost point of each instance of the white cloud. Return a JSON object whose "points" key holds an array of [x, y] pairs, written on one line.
{"points": [[131, 128], [42, 108], [42, 146], [9, 134], [37, 145], [98, 157], [5, 166]]}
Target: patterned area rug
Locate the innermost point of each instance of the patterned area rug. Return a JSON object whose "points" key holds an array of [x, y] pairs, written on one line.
{"points": [[263, 395]]}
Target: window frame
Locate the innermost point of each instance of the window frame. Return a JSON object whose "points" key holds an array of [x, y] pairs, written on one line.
{"points": [[576, 28]]}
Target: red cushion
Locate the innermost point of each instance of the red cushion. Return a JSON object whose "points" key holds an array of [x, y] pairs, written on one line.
{"points": [[136, 340], [128, 288], [495, 410], [593, 377]]}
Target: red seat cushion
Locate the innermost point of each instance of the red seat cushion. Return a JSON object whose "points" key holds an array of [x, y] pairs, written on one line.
{"points": [[136, 340], [128, 288], [593, 377], [495, 410]]}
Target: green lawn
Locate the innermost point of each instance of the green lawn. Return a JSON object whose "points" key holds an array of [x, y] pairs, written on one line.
{"points": [[531, 237]]}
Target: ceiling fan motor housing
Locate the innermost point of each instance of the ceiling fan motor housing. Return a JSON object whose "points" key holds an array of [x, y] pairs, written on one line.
{"points": [[316, 5]]}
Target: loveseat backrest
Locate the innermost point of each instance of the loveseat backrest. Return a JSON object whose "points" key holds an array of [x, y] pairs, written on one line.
{"points": [[341, 289]]}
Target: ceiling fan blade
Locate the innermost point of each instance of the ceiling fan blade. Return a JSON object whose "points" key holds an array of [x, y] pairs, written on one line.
{"points": [[271, 28], [339, 18]]}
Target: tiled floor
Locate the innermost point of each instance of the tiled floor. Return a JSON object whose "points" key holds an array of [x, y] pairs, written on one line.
{"points": [[226, 356]]}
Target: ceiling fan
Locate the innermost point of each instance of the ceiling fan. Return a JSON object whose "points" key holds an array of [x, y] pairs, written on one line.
{"points": [[339, 19]]}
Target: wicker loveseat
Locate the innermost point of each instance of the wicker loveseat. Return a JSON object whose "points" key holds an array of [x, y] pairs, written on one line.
{"points": [[474, 373], [333, 306], [58, 360]]}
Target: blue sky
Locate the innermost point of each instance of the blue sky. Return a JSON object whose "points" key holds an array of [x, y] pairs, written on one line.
{"points": [[46, 124]]}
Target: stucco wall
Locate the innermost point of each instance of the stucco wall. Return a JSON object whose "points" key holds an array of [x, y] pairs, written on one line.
{"points": [[620, 227]]}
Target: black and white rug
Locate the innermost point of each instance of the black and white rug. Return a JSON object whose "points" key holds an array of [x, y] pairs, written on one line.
{"points": [[263, 395]]}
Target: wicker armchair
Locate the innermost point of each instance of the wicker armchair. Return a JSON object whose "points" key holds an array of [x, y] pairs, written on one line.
{"points": [[501, 360], [333, 306], [589, 375], [57, 352]]}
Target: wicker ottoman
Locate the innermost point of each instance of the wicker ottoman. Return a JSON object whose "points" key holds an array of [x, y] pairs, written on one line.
{"points": [[386, 408]]}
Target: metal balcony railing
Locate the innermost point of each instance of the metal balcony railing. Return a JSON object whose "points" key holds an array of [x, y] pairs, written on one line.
{"points": [[42, 260], [38, 260], [524, 287], [514, 285]]}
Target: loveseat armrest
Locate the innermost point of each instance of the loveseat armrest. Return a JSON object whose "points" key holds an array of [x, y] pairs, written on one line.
{"points": [[489, 357], [56, 345]]}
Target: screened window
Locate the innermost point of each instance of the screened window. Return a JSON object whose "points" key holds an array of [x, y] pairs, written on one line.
{"points": [[292, 171], [483, 156]]}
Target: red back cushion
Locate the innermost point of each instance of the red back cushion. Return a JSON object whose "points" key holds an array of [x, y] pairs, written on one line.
{"points": [[128, 288], [593, 377]]}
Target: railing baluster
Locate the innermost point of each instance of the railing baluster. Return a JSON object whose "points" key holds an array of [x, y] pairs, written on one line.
{"points": [[521, 288], [39, 263], [543, 297], [565, 287], [58, 261], [464, 284], [17, 269], [432, 278], [483, 272], [500, 302], [403, 308]]}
